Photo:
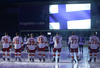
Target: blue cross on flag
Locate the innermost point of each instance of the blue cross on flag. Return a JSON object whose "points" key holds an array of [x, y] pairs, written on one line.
{"points": [[70, 16]]}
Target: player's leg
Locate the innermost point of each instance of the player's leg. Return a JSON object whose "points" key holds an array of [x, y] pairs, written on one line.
{"points": [[59, 50], [8, 55], [54, 54], [29, 56], [40, 51], [72, 55], [16, 54], [19, 56], [33, 55], [95, 55], [91, 52], [3, 55], [77, 56], [43, 54]]}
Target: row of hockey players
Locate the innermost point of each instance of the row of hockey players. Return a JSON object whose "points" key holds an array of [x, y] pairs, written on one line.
{"points": [[41, 42]]}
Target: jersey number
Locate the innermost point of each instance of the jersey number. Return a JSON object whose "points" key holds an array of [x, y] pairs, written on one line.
{"points": [[94, 41], [74, 40], [41, 40], [16, 41], [57, 40], [32, 42], [5, 40]]}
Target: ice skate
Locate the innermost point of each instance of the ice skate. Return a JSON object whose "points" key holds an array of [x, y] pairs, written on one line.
{"points": [[90, 60], [58, 60], [94, 59], [15, 58], [53, 60], [73, 60], [4, 59], [78, 60], [29, 59], [8, 59], [32, 59], [40, 59], [43, 59], [20, 59]]}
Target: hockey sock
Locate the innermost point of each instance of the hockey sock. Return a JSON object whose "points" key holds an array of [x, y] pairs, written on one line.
{"points": [[58, 54], [43, 55], [29, 56], [95, 55], [90, 55], [77, 56], [54, 55], [8, 54], [16, 55], [3, 54], [19, 55], [40, 55], [33, 55], [72, 55]]}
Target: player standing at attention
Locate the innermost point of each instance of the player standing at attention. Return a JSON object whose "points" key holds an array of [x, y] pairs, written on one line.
{"points": [[81, 43], [31, 47], [73, 40], [93, 46], [42, 43], [51, 43], [57, 46], [6, 46], [17, 41]]}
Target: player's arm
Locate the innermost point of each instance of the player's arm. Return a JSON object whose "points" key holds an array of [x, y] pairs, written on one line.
{"points": [[35, 44], [21, 40], [46, 43], [28, 43], [89, 43], [69, 40], [10, 43]]}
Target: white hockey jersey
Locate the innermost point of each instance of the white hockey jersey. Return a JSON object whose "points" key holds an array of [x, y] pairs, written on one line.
{"points": [[42, 41], [73, 41], [57, 41], [17, 41], [94, 42], [6, 41], [31, 43]]}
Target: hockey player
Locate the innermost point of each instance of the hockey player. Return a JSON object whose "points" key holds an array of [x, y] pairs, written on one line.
{"points": [[51, 43], [93, 46], [17, 41], [81, 43], [31, 47], [42, 43], [73, 40], [6, 46], [57, 46]]}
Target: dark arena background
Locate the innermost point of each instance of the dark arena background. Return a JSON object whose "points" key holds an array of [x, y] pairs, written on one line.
{"points": [[50, 17]]}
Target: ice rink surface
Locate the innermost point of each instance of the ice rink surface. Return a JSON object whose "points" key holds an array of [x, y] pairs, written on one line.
{"points": [[65, 61]]}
